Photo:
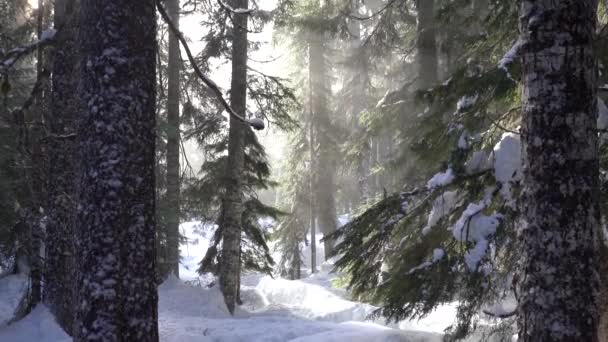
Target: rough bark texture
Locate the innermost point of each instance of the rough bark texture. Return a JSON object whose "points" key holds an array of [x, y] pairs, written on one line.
{"points": [[59, 268], [115, 253], [233, 200], [603, 293], [173, 142], [426, 44], [325, 160], [559, 278]]}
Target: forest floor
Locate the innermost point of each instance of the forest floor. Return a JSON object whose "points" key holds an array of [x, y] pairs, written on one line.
{"points": [[274, 310]]}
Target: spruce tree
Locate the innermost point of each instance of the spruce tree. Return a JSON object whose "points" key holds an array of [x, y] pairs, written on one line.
{"points": [[232, 203], [173, 143]]}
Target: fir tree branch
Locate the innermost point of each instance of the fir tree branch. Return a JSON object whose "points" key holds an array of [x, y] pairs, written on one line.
{"points": [[497, 121], [255, 123], [410, 19], [235, 11]]}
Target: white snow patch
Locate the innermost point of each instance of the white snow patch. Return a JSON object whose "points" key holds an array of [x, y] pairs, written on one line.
{"points": [[441, 179], [476, 227], [465, 103], [510, 57], [39, 326], [12, 288], [507, 164], [441, 207], [478, 162], [274, 310], [463, 142]]}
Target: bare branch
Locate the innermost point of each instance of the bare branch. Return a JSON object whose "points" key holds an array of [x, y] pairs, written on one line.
{"points": [[11, 57], [206, 80]]}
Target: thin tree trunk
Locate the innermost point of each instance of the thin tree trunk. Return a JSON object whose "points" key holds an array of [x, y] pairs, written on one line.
{"points": [[426, 44], [233, 200], [34, 215], [173, 140], [59, 268], [603, 293], [359, 79], [313, 207], [115, 246], [559, 277], [325, 165]]}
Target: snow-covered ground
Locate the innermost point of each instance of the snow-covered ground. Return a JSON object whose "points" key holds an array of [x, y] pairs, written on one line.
{"points": [[278, 310]]}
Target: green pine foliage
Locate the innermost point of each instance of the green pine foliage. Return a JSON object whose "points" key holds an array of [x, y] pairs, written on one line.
{"points": [[269, 98]]}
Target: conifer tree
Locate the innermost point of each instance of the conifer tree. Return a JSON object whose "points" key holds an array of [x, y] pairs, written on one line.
{"points": [[232, 203], [173, 143], [59, 259], [115, 233], [558, 284]]}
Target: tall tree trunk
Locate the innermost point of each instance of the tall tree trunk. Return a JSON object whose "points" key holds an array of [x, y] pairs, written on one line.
{"points": [[173, 142], [59, 268], [426, 44], [312, 186], [325, 163], [559, 234], [603, 293], [34, 214], [359, 78], [115, 248], [233, 200]]}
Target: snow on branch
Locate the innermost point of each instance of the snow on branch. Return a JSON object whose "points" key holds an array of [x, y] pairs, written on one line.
{"points": [[9, 59], [510, 57], [235, 10], [256, 123]]}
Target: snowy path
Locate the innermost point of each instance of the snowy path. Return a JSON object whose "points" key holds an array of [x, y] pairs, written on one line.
{"points": [[275, 310]]}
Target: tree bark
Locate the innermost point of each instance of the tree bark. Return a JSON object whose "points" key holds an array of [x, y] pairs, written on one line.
{"points": [[559, 278], [37, 157], [233, 199], [115, 246], [603, 293], [173, 142], [59, 268]]}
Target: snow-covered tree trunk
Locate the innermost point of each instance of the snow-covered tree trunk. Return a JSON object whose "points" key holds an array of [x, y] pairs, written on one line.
{"points": [[115, 229], [233, 199], [426, 44], [59, 267], [558, 284], [173, 143]]}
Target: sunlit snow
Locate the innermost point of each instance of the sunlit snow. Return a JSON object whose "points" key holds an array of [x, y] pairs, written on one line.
{"points": [[305, 310]]}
